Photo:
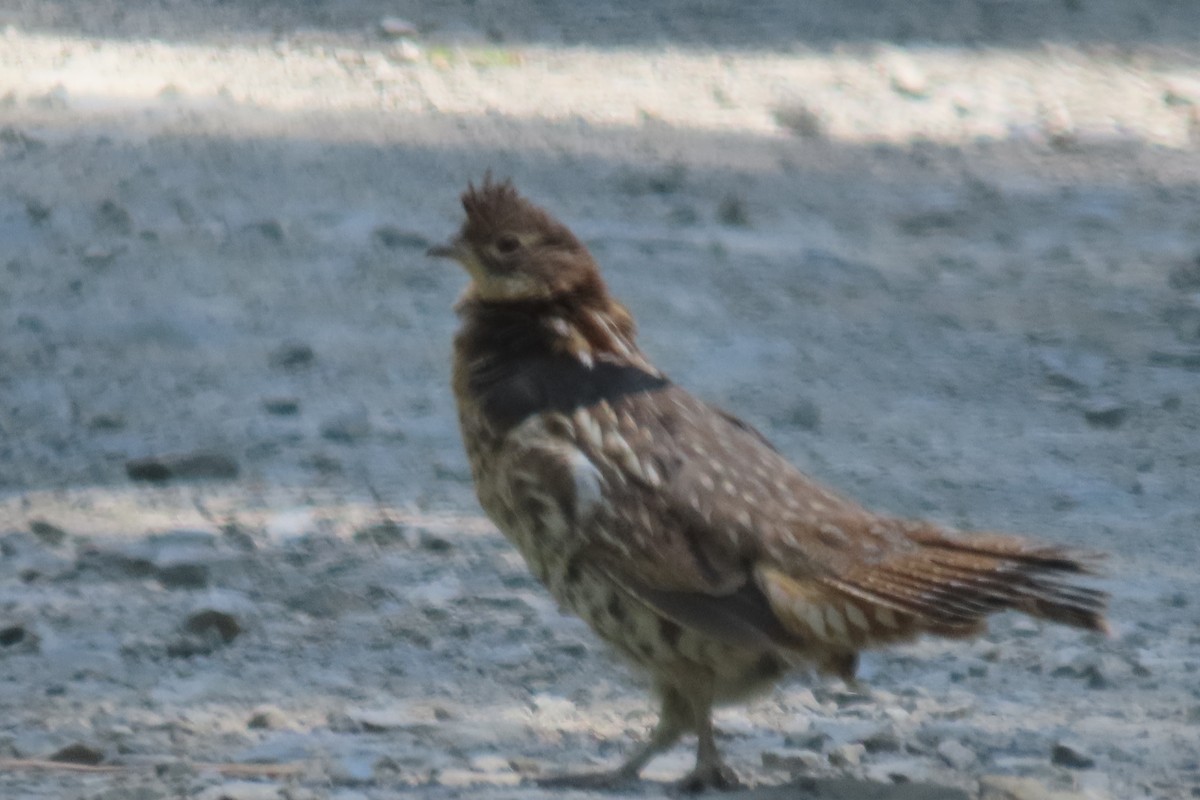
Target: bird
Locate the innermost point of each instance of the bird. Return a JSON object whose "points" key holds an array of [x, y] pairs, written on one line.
{"points": [[676, 530]]}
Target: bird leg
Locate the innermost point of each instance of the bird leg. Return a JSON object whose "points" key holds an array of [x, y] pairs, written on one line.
{"points": [[674, 718], [710, 771]]}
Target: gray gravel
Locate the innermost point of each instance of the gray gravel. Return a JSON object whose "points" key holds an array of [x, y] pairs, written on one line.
{"points": [[946, 267]]}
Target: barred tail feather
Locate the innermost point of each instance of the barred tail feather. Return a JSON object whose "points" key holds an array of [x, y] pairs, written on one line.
{"points": [[946, 586]]}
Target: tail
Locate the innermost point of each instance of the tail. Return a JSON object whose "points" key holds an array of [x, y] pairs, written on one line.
{"points": [[938, 583], [1000, 573]]}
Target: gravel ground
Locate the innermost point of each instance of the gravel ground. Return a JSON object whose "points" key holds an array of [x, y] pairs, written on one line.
{"points": [[945, 255]]}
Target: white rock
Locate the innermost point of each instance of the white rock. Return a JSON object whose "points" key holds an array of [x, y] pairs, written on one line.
{"points": [[401, 716], [847, 755], [396, 27], [906, 77], [241, 790], [956, 754], [490, 762]]}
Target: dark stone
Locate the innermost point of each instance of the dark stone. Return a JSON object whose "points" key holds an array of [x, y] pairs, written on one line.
{"points": [[800, 120], [12, 635], [1105, 413], [78, 754], [292, 355], [1185, 277], [732, 211], [111, 217], [382, 534], [48, 533], [199, 465], [183, 575], [223, 624], [271, 229], [281, 406], [1068, 754]]}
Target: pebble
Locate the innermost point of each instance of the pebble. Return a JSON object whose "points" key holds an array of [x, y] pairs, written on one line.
{"points": [[196, 538], [906, 78], [212, 621], [107, 421], [241, 790], [281, 406], [842, 731], [1181, 90], [462, 777], [18, 638], [433, 542], [956, 754], [1105, 671], [898, 770], [353, 769], [804, 414], [267, 718], [47, 533], [38, 211], [181, 572], [398, 717], [405, 51], [490, 762], [348, 426], [290, 525], [34, 563], [1067, 753], [884, 740], [800, 120], [133, 793], [732, 211], [197, 465], [1020, 627], [384, 534], [664, 180], [1185, 277], [99, 255], [270, 229], [793, 761], [1182, 358], [112, 217], [1007, 787], [436, 593], [284, 747], [1072, 369], [396, 28], [1105, 412], [847, 755], [324, 601], [180, 557], [292, 355], [78, 753]]}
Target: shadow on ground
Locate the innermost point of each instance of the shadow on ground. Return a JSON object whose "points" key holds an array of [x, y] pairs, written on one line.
{"points": [[759, 24], [850, 789]]}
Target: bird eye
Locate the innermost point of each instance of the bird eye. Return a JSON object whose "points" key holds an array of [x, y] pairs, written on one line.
{"points": [[508, 244]]}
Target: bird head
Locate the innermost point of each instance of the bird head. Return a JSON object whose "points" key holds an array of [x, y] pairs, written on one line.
{"points": [[514, 251]]}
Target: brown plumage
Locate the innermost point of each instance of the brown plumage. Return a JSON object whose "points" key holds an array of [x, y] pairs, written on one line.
{"points": [[674, 529]]}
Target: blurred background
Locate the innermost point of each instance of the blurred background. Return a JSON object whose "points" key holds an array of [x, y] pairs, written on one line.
{"points": [[945, 253]]}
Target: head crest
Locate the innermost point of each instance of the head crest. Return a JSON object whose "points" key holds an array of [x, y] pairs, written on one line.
{"points": [[494, 207]]}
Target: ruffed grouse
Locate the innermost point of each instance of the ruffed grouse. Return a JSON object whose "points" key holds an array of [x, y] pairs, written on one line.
{"points": [[674, 529]]}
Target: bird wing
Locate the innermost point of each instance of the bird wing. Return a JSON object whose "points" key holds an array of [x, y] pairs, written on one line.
{"points": [[696, 514]]}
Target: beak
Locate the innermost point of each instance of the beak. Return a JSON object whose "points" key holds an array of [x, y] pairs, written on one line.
{"points": [[451, 249]]}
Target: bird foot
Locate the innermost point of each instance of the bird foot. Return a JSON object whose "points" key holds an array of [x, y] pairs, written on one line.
{"points": [[609, 779], [715, 775]]}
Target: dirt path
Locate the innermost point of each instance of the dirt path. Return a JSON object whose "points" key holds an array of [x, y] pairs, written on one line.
{"points": [[949, 269]]}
